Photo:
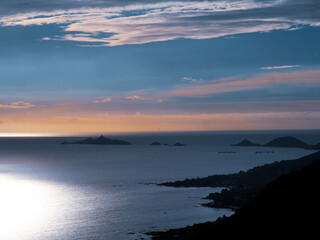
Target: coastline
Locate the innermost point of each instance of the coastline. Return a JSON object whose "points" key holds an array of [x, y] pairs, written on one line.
{"points": [[301, 170]]}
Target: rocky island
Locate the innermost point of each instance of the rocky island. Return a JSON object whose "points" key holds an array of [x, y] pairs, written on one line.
{"points": [[177, 144], [99, 141], [246, 143], [284, 142]]}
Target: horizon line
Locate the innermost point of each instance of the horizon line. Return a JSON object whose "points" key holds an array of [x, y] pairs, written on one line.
{"points": [[53, 135]]}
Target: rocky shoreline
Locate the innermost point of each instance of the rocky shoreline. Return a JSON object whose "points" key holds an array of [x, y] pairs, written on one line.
{"points": [[292, 198], [241, 187]]}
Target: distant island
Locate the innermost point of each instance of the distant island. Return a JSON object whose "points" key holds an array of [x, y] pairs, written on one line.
{"points": [[246, 143], [99, 141], [177, 144], [285, 142], [285, 207]]}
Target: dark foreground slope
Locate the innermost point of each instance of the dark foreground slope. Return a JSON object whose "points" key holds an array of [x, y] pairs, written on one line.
{"points": [[242, 187], [286, 207], [256, 176]]}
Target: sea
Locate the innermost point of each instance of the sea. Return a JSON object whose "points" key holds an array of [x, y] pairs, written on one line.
{"points": [[52, 191]]}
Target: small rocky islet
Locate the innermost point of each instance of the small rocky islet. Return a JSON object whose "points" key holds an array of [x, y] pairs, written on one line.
{"points": [[177, 144]]}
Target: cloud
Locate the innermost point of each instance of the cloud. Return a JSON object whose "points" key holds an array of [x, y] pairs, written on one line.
{"points": [[16, 105], [106, 100], [22, 6], [134, 97], [192, 80], [236, 84], [140, 22], [280, 67]]}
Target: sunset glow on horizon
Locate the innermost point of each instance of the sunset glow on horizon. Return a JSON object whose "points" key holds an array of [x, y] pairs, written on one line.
{"points": [[77, 67], [155, 123]]}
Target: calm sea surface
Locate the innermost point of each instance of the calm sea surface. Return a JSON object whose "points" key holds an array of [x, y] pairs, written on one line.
{"points": [[53, 191]]}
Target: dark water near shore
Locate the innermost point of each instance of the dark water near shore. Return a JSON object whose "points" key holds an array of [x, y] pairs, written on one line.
{"points": [[53, 191]]}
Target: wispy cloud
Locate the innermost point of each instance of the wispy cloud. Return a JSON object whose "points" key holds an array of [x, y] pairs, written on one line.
{"points": [[104, 100], [280, 67], [192, 80], [16, 105], [237, 84], [134, 97], [162, 21]]}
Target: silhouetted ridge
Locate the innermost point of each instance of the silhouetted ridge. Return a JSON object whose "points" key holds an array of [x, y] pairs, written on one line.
{"points": [[289, 142], [156, 143], [287, 207], [253, 177], [246, 143], [100, 141]]}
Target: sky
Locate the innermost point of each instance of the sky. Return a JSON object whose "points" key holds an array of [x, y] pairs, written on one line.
{"points": [[91, 66]]}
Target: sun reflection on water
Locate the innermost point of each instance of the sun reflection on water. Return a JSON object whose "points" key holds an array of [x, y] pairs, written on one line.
{"points": [[23, 206]]}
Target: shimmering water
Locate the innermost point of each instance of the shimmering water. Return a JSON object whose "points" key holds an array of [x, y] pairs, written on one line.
{"points": [[53, 191]]}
